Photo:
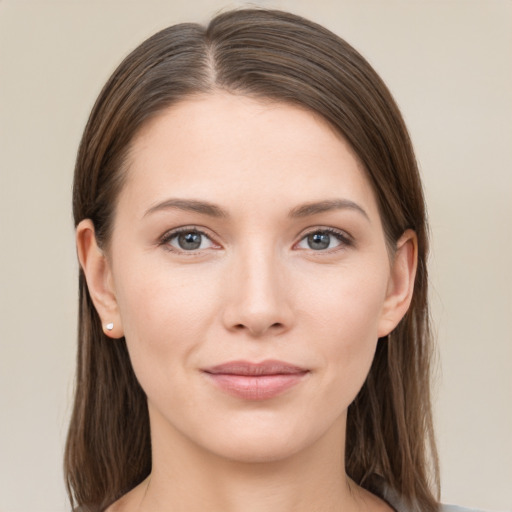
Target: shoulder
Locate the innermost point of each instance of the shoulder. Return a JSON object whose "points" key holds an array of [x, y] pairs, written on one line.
{"points": [[382, 489]]}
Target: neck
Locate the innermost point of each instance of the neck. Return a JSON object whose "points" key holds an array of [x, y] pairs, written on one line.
{"points": [[186, 478]]}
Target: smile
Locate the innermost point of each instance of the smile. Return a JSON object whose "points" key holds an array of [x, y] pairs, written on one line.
{"points": [[255, 381]]}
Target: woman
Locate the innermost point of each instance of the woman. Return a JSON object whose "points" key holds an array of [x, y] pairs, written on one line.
{"points": [[253, 292]]}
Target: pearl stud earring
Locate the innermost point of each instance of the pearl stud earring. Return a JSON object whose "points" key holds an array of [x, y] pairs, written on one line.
{"points": [[109, 326]]}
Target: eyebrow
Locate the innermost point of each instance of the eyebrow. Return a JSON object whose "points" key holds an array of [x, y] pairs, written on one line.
{"points": [[189, 205], [212, 210], [308, 209]]}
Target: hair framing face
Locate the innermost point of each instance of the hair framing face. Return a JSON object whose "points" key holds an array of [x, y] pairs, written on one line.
{"points": [[277, 56]]}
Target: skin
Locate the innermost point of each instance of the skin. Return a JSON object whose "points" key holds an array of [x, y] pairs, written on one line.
{"points": [[254, 290]]}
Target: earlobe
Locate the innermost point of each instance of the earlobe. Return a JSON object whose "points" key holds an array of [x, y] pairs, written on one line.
{"points": [[98, 275], [401, 282]]}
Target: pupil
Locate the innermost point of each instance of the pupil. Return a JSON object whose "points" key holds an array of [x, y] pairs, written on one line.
{"points": [[189, 241], [319, 241]]}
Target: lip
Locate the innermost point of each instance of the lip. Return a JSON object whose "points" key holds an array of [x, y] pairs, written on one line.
{"points": [[255, 381]]}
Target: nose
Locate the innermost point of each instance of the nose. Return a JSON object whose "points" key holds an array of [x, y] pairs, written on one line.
{"points": [[258, 296]]}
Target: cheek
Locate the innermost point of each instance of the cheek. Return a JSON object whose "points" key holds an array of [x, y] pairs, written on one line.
{"points": [[348, 300], [152, 295], [165, 315], [345, 317]]}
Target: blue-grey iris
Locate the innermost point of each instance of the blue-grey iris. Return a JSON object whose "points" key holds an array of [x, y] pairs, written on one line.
{"points": [[189, 241], [319, 240]]}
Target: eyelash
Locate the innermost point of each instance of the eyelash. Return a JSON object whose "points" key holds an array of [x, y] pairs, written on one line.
{"points": [[344, 239], [170, 235]]}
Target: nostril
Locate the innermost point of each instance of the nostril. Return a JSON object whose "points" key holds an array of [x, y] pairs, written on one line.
{"points": [[258, 329]]}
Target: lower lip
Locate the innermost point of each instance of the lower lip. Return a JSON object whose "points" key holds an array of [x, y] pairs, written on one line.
{"points": [[251, 387]]}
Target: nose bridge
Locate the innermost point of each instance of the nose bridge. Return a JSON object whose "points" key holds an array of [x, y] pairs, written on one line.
{"points": [[258, 301]]}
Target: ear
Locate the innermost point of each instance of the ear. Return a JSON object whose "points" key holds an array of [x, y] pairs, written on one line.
{"points": [[99, 278], [401, 282]]}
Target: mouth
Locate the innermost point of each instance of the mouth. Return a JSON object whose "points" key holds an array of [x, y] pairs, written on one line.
{"points": [[255, 381]]}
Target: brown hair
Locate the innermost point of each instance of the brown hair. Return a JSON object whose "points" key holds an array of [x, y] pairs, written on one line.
{"points": [[280, 56]]}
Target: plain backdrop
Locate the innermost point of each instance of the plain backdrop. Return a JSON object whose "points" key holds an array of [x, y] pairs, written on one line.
{"points": [[449, 65]]}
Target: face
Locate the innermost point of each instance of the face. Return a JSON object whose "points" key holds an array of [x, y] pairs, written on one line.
{"points": [[250, 275]]}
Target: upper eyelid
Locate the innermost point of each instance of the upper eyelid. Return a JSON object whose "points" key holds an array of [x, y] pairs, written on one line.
{"points": [[185, 229], [336, 231]]}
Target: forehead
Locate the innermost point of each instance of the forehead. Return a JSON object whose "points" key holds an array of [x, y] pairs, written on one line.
{"points": [[231, 146]]}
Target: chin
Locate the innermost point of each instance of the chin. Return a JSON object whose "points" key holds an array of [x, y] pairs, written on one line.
{"points": [[270, 441], [257, 450]]}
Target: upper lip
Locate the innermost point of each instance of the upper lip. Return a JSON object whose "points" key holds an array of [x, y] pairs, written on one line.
{"points": [[268, 367]]}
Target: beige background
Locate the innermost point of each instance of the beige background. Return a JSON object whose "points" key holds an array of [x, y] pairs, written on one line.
{"points": [[449, 64]]}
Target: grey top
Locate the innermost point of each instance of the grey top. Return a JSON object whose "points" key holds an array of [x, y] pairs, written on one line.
{"points": [[389, 495], [453, 508]]}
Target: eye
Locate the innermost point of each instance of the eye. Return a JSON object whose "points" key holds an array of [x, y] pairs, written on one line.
{"points": [[324, 239], [188, 240]]}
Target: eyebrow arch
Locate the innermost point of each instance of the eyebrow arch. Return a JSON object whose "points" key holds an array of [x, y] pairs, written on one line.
{"points": [[308, 209], [212, 210], [190, 205]]}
